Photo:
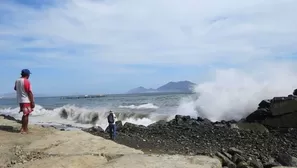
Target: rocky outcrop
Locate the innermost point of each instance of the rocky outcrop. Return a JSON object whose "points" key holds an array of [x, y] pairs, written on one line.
{"points": [[238, 144], [279, 112]]}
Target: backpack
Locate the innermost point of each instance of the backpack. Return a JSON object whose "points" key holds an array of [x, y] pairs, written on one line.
{"points": [[110, 118]]}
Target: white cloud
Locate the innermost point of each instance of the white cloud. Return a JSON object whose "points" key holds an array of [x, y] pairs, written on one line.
{"points": [[157, 31]]}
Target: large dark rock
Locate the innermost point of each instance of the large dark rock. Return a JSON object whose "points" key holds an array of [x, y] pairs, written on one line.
{"points": [[243, 165], [284, 121], [259, 115], [256, 163], [278, 112], [271, 164], [130, 127], [94, 129], [158, 124], [237, 158], [225, 160], [295, 92], [287, 160], [234, 151], [265, 104]]}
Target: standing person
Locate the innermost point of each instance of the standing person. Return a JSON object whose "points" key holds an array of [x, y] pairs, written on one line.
{"points": [[111, 118], [25, 98]]}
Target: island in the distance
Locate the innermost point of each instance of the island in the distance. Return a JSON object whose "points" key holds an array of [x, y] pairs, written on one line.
{"points": [[180, 86]]}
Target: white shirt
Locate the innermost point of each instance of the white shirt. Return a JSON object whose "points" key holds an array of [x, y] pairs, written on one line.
{"points": [[22, 87]]}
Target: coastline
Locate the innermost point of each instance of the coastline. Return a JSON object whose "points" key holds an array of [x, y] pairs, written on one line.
{"points": [[48, 147]]}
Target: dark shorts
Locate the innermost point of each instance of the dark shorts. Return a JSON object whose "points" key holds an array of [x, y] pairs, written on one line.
{"points": [[25, 108]]}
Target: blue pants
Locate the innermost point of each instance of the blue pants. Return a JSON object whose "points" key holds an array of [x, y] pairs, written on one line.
{"points": [[112, 131]]}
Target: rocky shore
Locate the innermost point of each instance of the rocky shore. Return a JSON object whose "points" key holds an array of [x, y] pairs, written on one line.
{"points": [[236, 144]]}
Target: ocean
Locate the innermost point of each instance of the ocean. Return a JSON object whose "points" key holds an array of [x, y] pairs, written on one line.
{"points": [[143, 109]]}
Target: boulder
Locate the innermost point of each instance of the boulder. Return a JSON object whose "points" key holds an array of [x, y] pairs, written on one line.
{"points": [[158, 124], [236, 158], [287, 160], [130, 127], [265, 104], [256, 163], [234, 151], [225, 161], [179, 119], [256, 127], [243, 165], [258, 115], [271, 164], [94, 129], [185, 121], [295, 92], [284, 121], [278, 112]]}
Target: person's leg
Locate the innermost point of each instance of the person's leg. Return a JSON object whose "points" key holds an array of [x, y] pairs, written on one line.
{"points": [[110, 131], [112, 134], [25, 119], [114, 131], [23, 125]]}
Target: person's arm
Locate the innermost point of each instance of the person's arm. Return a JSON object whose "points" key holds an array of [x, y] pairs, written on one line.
{"points": [[29, 92]]}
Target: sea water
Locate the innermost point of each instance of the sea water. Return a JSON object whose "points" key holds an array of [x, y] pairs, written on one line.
{"points": [[143, 109], [228, 95]]}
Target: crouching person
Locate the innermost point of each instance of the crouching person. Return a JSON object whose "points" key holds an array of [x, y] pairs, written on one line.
{"points": [[112, 127]]}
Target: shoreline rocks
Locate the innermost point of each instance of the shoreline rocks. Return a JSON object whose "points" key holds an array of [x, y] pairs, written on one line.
{"points": [[278, 112], [237, 144]]}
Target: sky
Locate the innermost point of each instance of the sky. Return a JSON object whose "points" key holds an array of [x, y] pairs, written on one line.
{"points": [[111, 46]]}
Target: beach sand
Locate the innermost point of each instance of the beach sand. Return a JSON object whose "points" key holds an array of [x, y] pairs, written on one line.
{"points": [[51, 148]]}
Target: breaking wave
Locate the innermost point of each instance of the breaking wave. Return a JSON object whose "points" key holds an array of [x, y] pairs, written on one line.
{"points": [[86, 117], [142, 106], [233, 94]]}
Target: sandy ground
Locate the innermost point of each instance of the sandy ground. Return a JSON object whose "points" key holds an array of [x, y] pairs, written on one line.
{"points": [[50, 148]]}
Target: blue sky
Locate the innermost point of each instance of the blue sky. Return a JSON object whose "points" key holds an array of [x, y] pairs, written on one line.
{"points": [[94, 46]]}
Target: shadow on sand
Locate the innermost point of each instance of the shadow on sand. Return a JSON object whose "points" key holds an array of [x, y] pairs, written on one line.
{"points": [[7, 117], [8, 129]]}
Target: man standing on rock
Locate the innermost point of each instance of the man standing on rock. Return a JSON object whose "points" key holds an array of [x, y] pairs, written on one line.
{"points": [[111, 118], [25, 98]]}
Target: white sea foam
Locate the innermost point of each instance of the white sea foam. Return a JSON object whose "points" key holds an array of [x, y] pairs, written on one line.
{"points": [[83, 117], [142, 106]]}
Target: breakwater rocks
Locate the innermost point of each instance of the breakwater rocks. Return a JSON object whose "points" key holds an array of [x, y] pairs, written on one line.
{"points": [[237, 144], [278, 112]]}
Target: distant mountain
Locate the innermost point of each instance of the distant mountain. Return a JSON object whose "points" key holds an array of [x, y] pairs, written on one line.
{"points": [[141, 90], [181, 86]]}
